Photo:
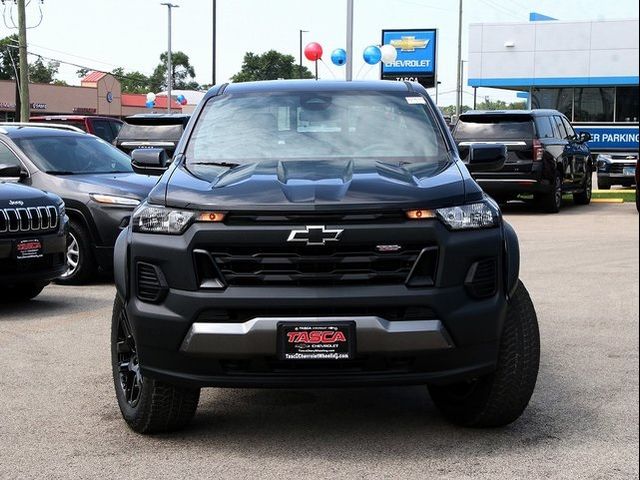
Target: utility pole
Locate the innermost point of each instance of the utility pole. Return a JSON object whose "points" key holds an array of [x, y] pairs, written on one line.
{"points": [[300, 67], [459, 82], [169, 6], [349, 73], [213, 46], [25, 105]]}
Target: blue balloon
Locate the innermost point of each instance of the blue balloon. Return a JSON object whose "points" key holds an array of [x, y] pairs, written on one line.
{"points": [[180, 98], [339, 56], [372, 55], [149, 104]]}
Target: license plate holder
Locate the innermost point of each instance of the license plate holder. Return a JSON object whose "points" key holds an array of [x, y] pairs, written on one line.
{"points": [[629, 171], [28, 249], [316, 340]]}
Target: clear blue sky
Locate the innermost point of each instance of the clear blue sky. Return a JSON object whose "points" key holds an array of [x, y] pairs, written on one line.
{"points": [[132, 33]]}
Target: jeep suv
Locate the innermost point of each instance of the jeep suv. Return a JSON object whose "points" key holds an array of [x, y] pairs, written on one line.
{"points": [[33, 229], [320, 234], [546, 157]]}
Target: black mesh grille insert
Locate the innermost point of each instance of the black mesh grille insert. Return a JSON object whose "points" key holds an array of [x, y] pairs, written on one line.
{"points": [[151, 284], [482, 278], [307, 265]]}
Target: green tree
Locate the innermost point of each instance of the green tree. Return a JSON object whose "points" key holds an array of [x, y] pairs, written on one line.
{"points": [[39, 72], [82, 72], [182, 73], [132, 82], [8, 57], [270, 65]]}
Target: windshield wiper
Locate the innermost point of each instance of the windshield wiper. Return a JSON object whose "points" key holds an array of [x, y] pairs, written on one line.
{"points": [[59, 172], [217, 164]]}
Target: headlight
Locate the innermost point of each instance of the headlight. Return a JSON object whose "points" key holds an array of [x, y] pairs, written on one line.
{"points": [[603, 160], [472, 216], [156, 219], [114, 200]]}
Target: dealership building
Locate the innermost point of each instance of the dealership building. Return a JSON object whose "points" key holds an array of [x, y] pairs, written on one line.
{"points": [[586, 70], [98, 94]]}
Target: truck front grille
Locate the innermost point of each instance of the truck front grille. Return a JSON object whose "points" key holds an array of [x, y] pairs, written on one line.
{"points": [[314, 265], [619, 167], [28, 219]]}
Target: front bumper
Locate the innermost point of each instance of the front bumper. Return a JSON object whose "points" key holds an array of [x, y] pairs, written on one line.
{"points": [[42, 270], [202, 337]]}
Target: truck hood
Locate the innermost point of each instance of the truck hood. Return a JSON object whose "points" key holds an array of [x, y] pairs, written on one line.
{"points": [[311, 184]]}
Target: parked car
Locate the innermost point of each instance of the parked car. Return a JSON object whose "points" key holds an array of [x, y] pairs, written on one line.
{"points": [[94, 179], [107, 128], [153, 130], [338, 242], [546, 157], [33, 228], [616, 169]]}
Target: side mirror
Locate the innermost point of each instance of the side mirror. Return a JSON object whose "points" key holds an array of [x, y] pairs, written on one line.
{"points": [[12, 172], [486, 157], [583, 137], [149, 161]]}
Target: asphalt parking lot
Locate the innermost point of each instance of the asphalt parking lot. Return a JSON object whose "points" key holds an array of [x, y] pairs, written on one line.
{"points": [[59, 417]]}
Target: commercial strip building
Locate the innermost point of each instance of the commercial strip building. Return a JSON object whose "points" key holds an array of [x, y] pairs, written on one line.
{"points": [[586, 70], [98, 94]]}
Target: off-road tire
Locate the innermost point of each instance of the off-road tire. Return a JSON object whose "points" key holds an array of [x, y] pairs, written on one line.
{"points": [[161, 407], [87, 268], [499, 398], [584, 197]]}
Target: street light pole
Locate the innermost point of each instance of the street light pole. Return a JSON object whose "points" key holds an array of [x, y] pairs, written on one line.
{"points": [[349, 70], [459, 79], [169, 6], [213, 45], [300, 66], [23, 81]]}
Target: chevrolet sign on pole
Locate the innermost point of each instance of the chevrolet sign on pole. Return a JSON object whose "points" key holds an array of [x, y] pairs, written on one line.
{"points": [[416, 60]]}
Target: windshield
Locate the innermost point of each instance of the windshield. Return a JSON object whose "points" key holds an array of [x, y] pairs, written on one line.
{"points": [[170, 133], [74, 155], [236, 129], [494, 127]]}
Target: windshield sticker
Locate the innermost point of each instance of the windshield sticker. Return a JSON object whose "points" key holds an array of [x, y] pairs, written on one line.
{"points": [[416, 100]]}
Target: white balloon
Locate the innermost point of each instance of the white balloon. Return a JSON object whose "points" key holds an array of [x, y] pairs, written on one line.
{"points": [[389, 53], [151, 97]]}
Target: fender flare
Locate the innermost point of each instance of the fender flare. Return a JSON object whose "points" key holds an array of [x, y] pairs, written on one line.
{"points": [[511, 265], [121, 264]]}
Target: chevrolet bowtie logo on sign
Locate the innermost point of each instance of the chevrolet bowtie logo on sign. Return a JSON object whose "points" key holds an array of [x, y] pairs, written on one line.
{"points": [[315, 235], [409, 44]]}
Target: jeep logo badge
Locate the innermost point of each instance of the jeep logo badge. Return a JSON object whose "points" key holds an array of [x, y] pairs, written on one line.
{"points": [[14, 203], [315, 235]]}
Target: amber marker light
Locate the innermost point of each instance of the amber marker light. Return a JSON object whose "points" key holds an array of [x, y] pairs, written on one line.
{"points": [[420, 214], [210, 217]]}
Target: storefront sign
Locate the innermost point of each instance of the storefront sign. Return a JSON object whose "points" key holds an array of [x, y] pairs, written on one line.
{"points": [[7, 105], [611, 137], [416, 59], [85, 110], [38, 106]]}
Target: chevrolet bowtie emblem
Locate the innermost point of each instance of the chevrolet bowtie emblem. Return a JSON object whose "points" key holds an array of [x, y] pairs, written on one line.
{"points": [[409, 44], [315, 235]]}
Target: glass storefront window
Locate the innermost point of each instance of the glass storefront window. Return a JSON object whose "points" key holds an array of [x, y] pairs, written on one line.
{"points": [[594, 104], [627, 105], [560, 99]]}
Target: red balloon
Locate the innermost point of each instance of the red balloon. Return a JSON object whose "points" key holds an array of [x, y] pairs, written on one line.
{"points": [[313, 51]]}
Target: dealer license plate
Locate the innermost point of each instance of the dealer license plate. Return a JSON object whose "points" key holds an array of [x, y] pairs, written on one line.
{"points": [[316, 341], [28, 249], [629, 171]]}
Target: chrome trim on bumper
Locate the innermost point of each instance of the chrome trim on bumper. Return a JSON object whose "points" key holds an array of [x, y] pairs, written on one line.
{"points": [[258, 336]]}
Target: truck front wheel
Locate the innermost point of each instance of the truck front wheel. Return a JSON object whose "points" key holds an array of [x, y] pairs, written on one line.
{"points": [[499, 398]]}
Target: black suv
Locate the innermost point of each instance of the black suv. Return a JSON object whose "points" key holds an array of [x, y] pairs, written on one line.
{"points": [[320, 234], [545, 157], [152, 130], [95, 180], [33, 228]]}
